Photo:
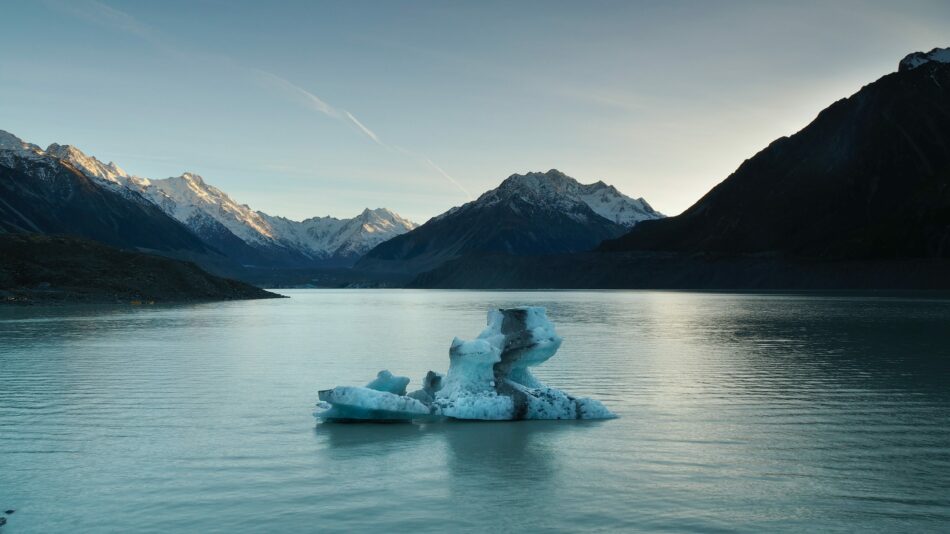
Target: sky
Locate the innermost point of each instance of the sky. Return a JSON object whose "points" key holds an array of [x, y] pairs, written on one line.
{"points": [[308, 108]]}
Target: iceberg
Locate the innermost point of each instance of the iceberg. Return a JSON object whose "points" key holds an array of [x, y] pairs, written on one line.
{"points": [[488, 379]]}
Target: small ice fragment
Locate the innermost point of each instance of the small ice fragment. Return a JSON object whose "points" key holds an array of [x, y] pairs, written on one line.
{"points": [[386, 381]]}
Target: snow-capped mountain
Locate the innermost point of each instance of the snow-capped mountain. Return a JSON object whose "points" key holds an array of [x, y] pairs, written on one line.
{"points": [[559, 191], [347, 238], [110, 174], [16, 146], [203, 207], [42, 193], [189, 199], [246, 236], [534, 213], [916, 59]]}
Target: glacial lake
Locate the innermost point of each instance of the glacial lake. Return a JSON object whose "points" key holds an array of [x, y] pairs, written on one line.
{"points": [[738, 413]]}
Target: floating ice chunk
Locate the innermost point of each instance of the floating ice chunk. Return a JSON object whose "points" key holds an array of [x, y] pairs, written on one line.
{"points": [[356, 403], [484, 406], [386, 381], [471, 367], [431, 385], [592, 409], [488, 379]]}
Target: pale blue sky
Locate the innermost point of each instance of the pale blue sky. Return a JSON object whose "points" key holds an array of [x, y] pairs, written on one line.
{"points": [[306, 108]]}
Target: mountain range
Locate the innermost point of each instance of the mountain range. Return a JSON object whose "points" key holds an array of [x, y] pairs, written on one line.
{"points": [[63, 190], [860, 197]]}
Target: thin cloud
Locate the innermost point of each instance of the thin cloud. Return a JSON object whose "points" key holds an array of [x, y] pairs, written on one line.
{"points": [[106, 16], [316, 103], [101, 14]]}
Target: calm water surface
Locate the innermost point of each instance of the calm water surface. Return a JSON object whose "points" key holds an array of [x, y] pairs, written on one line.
{"points": [[745, 413]]}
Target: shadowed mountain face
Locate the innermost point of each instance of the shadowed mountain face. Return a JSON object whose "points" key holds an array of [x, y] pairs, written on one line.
{"points": [[868, 178], [43, 194], [536, 213]]}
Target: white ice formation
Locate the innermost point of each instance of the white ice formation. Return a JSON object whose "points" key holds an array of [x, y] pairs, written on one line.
{"points": [[488, 379]]}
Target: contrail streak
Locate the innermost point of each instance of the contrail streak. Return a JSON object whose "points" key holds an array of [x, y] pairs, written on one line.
{"points": [[364, 129], [316, 103], [305, 97], [104, 15], [447, 177]]}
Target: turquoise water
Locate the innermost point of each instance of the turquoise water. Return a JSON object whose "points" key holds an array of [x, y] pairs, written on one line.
{"points": [[748, 413]]}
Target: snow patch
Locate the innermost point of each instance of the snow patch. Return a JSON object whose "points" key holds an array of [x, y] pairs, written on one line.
{"points": [[557, 191], [912, 61]]}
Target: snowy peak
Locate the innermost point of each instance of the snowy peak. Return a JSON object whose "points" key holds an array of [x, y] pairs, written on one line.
{"points": [[534, 186], [193, 201], [556, 190], [912, 61], [383, 220], [219, 220], [88, 165], [375, 226], [10, 142], [329, 236], [188, 197]]}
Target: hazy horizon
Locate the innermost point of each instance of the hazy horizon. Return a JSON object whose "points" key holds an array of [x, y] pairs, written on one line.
{"points": [[319, 109]]}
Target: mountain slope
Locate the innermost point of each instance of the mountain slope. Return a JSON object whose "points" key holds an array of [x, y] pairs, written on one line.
{"points": [[868, 178], [536, 213], [248, 237], [342, 239], [42, 193]]}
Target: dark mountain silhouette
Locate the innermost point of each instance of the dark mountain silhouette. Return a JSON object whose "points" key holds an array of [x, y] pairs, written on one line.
{"points": [[859, 198], [869, 178]]}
